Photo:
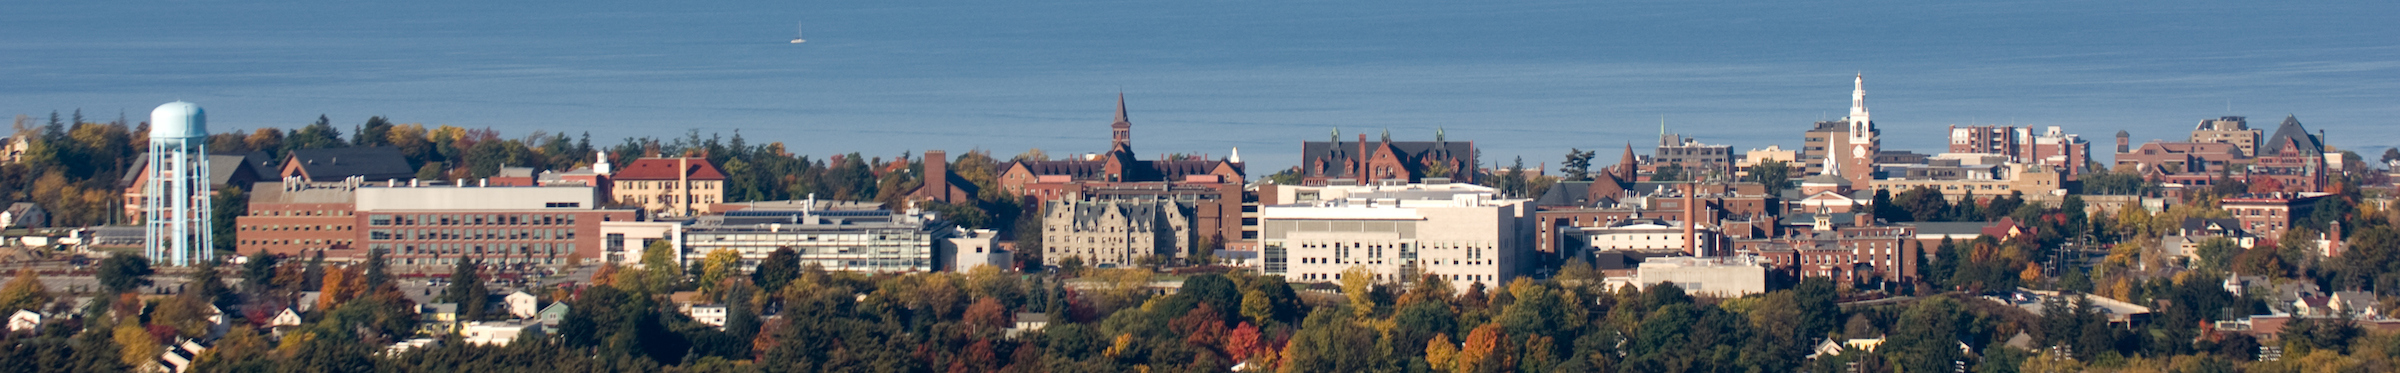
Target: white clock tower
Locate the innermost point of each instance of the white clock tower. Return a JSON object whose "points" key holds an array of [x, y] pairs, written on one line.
{"points": [[1863, 142]]}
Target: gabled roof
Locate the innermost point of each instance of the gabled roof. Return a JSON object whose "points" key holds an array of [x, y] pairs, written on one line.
{"points": [[2291, 134], [334, 164], [666, 169], [1336, 154]]}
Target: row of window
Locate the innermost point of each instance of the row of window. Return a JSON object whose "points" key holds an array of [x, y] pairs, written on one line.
{"points": [[471, 234], [281, 227], [662, 185], [312, 242], [379, 220], [292, 212], [540, 249]]}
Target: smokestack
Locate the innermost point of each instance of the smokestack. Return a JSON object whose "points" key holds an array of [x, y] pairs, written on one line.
{"points": [[683, 183], [937, 179], [1691, 219]]}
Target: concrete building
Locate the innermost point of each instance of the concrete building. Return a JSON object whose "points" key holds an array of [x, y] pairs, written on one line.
{"points": [[1693, 157], [874, 241], [1723, 277], [970, 248], [1457, 231], [623, 241], [497, 333], [1116, 233], [1773, 153], [679, 186], [1645, 235], [2032, 180], [2231, 130]]}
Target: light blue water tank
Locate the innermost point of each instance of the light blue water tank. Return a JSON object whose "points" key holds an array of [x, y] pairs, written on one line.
{"points": [[178, 120]]}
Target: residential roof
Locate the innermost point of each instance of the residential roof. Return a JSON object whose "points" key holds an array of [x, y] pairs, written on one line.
{"points": [[1962, 230], [335, 164], [666, 169]]}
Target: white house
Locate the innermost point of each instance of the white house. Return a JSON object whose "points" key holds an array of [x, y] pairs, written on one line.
{"points": [[285, 318], [523, 305], [497, 333], [24, 320], [713, 315]]}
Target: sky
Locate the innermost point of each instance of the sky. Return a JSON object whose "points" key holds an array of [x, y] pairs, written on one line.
{"points": [[1527, 79]]}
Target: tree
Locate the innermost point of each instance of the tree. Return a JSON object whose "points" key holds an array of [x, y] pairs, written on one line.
{"points": [[780, 267], [258, 274], [1775, 175], [24, 292], [138, 348], [209, 285], [987, 316], [124, 272], [720, 264], [1356, 284], [1578, 166], [2216, 254], [466, 290], [375, 278], [661, 272]]}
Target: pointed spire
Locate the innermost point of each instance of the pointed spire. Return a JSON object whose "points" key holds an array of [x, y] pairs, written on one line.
{"points": [[1387, 135], [1627, 164], [1121, 119], [1439, 135], [1236, 157]]}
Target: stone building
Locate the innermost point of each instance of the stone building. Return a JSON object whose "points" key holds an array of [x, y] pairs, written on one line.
{"points": [[1116, 233], [1211, 189], [2228, 130]]}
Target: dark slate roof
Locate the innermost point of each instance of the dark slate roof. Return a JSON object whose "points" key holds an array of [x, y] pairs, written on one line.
{"points": [[1566, 193], [2196, 224], [222, 169], [1962, 230], [1142, 214], [333, 164], [1336, 153], [2292, 134], [1157, 170]]}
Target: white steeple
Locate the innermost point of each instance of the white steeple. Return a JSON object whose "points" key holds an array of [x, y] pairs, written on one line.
{"points": [[1236, 157], [1859, 121]]}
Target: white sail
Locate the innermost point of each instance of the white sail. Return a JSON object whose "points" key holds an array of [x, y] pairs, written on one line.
{"points": [[797, 32]]}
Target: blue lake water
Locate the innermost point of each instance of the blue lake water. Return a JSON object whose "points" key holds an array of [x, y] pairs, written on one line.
{"points": [[1521, 78]]}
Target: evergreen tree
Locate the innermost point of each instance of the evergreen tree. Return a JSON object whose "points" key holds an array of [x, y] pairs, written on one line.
{"points": [[124, 273], [466, 290]]}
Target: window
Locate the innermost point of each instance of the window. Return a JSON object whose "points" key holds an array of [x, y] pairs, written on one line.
{"points": [[563, 204]]}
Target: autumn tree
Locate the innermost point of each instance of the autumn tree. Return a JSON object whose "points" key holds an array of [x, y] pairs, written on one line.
{"points": [[24, 292]]}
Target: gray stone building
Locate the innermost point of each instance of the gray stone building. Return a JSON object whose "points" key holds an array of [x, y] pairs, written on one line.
{"points": [[1116, 233]]}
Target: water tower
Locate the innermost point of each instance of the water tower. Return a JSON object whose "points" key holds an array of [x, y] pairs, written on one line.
{"points": [[175, 202]]}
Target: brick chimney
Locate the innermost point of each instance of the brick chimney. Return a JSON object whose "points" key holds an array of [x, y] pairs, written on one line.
{"points": [[1862, 219], [1691, 219], [937, 175]]}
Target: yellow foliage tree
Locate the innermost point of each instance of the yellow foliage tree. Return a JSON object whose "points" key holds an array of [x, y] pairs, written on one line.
{"points": [[719, 265], [25, 292], [2031, 274], [1356, 282], [1440, 351], [139, 348]]}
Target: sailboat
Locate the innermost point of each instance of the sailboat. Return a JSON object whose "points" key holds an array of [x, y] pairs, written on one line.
{"points": [[796, 34]]}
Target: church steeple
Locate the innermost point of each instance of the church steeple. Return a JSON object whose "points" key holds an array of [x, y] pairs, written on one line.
{"points": [[1121, 132], [1859, 120]]}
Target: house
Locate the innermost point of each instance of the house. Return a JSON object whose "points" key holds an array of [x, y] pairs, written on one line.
{"points": [[286, 318], [551, 316], [179, 357], [308, 300], [24, 321], [523, 305], [24, 215], [1029, 322], [497, 333], [437, 318], [403, 346], [2359, 303], [713, 315]]}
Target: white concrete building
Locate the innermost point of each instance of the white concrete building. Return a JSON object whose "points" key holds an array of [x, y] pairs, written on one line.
{"points": [[497, 333], [1645, 235], [1725, 277], [713, 315], [877, 241], [976, 247], [1458, 231]]}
